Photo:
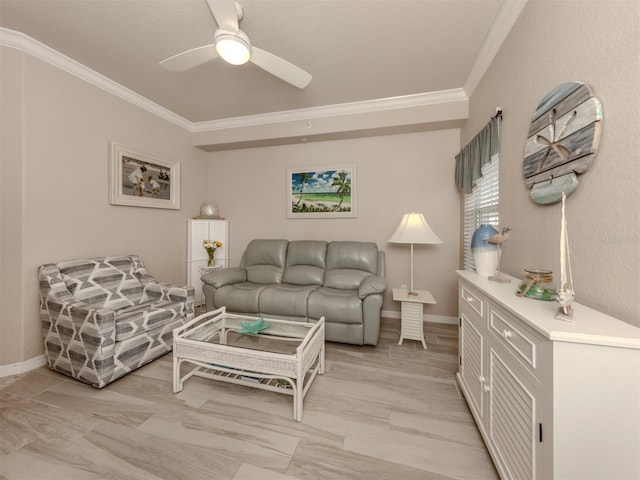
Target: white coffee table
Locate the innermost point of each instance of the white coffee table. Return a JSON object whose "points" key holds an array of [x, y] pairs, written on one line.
{"points": [[411, 313], [284, 358]]}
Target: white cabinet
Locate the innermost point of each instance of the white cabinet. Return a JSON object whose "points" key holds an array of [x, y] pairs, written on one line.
{"points": [[551, 399], [472, 349], [512, 418], [199, 230]]}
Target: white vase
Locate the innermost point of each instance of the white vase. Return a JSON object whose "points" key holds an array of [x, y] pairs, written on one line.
{"points": [[486, 256], [486, 261]]}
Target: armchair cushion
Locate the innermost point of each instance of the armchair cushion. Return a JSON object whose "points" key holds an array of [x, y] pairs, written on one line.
{"points": [[109, 282], [140, 318]]}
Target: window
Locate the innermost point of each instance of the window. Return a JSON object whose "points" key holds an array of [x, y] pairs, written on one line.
{"points": [[481, 206]]}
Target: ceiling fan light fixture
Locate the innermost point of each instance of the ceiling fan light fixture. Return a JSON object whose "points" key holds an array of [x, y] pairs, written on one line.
{"points": [[232, 47]]}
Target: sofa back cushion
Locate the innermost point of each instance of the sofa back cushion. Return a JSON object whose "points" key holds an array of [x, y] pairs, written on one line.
{"points": [[264, 261], [306, 260], [108, 282], [348, 263]]}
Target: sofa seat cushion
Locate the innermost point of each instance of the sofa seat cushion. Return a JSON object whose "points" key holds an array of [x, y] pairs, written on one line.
{"points": [[336, 305], [286, 299], [240, 297], [132, 321]]}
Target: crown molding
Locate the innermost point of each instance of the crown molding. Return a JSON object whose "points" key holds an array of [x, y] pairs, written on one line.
{"points": [[337, 110], [509, 13], [20, 41], [405, 105]]}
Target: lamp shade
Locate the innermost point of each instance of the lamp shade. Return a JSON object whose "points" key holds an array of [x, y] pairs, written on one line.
{"points": [[414, 228]]}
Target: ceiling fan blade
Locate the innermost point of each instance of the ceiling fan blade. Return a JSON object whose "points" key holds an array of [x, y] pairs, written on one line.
{"points": [[191, 58], [225, 13], [280, 68]]}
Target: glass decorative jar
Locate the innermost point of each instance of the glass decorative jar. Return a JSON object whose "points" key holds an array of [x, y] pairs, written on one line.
{"points": [[537, 284]]}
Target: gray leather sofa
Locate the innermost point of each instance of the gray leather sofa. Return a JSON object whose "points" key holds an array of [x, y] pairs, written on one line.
{"points": [[304, 280]]}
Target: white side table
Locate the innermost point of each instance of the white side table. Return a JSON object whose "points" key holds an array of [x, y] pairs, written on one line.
{"points": [[411, 313]]}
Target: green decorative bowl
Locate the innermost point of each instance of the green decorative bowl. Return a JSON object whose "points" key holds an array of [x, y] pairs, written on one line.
{"points": [[538, 292], [253, 327]]}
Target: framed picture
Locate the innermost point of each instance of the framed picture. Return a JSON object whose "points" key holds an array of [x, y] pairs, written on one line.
{"points": [[322, 192], [140, 179]]}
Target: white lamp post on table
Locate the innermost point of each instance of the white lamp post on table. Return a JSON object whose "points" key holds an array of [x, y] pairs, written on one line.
{"points": [[413, 228]]}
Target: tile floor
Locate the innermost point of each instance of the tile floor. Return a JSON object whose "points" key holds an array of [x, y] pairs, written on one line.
{"points": [[386, 412]]}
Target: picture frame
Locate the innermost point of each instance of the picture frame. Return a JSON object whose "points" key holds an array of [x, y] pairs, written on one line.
{"points": [[322, 192], [142, 179]]}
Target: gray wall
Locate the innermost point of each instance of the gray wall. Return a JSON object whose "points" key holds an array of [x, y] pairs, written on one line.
{"points": [[597, 42], [54, 205], [396, 174]]}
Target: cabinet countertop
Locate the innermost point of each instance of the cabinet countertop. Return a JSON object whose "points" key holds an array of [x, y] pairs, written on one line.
{"points": [[590, 326]]}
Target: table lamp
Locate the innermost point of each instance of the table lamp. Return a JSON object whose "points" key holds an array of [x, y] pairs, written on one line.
{"points": [[414, 228]]}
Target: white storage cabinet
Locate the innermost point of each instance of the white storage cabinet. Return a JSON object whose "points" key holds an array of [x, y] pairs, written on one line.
{"points": [[199, 230], [551, 399]]}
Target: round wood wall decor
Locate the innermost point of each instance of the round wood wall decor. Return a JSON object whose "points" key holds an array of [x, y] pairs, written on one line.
{"points": [[563, 141]]}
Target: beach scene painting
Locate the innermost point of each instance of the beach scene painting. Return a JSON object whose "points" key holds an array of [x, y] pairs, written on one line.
{"points": [[145, 179], [141, 179], [321, 192]]}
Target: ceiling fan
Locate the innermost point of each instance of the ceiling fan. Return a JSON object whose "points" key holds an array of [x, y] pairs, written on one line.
{"points": [[233, 45]]}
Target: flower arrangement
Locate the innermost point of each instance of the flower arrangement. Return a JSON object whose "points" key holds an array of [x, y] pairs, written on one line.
{"points": [[211, 246]]}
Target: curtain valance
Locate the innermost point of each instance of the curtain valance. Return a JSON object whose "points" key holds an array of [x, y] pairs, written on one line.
{"points": [[476, 154]]}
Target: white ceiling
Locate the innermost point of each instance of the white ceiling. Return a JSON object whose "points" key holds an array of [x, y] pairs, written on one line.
{"points": [[356, 50]]}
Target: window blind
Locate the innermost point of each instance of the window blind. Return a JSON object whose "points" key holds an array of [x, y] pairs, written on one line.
{"points": [[481, 206]]}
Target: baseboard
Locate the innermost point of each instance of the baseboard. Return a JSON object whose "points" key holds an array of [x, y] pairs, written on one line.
{"points": [[22, 367], [425, 318]]}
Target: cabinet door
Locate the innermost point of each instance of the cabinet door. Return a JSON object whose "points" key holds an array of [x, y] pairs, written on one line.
{"points": [[201, 230], [219, 232], [471, 364], [197, 232], [512, 417]]}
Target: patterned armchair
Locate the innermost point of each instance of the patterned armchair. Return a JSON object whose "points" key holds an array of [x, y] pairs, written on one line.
{"points": [[104, 317]]}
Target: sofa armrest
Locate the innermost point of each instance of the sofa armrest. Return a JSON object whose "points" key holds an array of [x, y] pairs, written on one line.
{"points": [[225, 276], [97, 324], [371, 285], [63, 315], [79, 339]]}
